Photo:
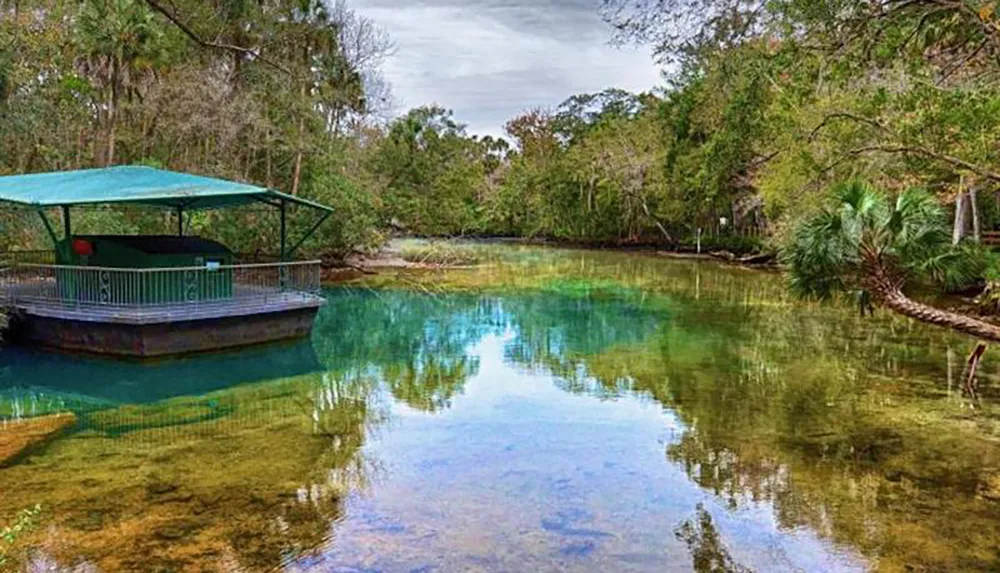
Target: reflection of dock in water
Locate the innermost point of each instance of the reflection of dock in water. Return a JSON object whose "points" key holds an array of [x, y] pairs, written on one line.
{"points": [[320, 404], [105, 381], [180, 400], [34, 383]]}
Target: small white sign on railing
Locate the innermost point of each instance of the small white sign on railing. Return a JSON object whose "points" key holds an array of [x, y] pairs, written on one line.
{"points": [[213, 265]]}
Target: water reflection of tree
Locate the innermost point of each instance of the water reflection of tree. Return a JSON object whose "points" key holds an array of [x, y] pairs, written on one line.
{"points": [[708, 553], [419, 345], [553, 330], [833, 422], [432, 383], [841, 428], [839, 424], [416, 344]]}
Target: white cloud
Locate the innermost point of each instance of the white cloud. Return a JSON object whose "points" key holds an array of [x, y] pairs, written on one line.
{"points": [[489, 60]]}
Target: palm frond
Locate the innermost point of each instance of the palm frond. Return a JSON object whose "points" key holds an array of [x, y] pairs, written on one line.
{"points": [[908, 237], [954, 267], [918, 228], [821, 248]]}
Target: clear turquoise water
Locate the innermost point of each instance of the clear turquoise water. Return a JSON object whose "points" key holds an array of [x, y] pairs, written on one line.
{"points": [[551, 411]]}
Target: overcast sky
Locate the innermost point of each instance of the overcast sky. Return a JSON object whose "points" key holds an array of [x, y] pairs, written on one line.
{"points": [[489, 60]]}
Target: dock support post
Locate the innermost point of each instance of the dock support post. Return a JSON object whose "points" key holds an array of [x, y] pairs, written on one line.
{"points": [[67, 228], [180, 221], [282, 252], [282, 269]]}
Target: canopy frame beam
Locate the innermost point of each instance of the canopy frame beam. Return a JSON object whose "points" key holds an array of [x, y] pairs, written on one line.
{"points": [[309, 233], [48, 227]]}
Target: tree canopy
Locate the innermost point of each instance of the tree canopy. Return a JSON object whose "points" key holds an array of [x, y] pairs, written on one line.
{"points": [[763, 107]]}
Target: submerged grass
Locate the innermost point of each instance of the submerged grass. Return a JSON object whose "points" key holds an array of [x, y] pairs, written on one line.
{"points": [[910, 482], [133, 492], [24, 522]]}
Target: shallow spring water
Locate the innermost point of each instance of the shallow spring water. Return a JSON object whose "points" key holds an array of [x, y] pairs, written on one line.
{"points": [[549, 411]]}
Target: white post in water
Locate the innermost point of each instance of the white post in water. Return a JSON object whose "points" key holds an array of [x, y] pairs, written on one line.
{"points": [[699, 240]]}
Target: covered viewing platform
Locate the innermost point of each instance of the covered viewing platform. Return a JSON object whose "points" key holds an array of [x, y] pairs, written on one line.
{"points": [[152, 295]]}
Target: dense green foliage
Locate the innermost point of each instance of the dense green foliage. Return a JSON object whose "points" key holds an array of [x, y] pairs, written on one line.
{"points": [[278, 93], [765, 105], [839, 248]]}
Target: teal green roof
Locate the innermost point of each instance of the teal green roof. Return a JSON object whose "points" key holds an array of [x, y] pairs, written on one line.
{"points": [[137, 185]]}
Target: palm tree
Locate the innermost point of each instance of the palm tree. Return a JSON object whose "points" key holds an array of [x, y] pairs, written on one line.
{"points": [[867, 244], [119, 39]]}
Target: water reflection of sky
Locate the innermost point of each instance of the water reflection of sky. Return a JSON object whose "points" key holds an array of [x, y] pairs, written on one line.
{"points": [[519, 475]]}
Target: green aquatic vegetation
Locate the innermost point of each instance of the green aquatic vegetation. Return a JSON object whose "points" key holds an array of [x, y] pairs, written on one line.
{"points": [[166, 495], [902, 478], [23, 523], [577, 287], [778, 407], [782, 401], [174, 415], [439, 253]]}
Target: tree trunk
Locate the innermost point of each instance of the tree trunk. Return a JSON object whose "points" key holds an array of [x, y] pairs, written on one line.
{"points": [[976, 228], [302, 125], [971, 386], [336, 121], [79, 149], [961, 217], [109, 158], [267, 158], [895, 300], [298, 170]]}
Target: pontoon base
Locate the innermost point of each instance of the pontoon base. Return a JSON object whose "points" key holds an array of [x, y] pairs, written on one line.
{"points": [[153, 339]]}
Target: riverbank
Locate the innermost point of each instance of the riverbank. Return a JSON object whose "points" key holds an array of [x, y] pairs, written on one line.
{"points": [[414, 253]]}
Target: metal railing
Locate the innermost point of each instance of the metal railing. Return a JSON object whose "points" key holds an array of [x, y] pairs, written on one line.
{"points": [[156, 287]]}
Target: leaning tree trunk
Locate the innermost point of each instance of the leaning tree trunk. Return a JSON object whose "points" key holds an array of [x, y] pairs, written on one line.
{"points": [[895, 300]]}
